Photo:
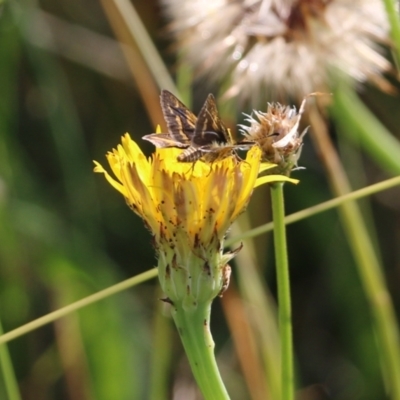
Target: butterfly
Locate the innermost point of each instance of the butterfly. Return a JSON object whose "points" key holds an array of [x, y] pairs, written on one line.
{"points": [[203, 137], [181, 123]]}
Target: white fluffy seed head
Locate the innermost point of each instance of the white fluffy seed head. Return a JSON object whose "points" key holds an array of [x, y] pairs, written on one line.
{"points": [[281, 47]]}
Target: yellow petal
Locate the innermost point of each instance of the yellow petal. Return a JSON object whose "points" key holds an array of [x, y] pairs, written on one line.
{"points": [[275, 178], [116, 185]]}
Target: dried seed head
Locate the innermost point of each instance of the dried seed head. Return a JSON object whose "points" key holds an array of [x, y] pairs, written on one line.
{"points": [[277, 133]]}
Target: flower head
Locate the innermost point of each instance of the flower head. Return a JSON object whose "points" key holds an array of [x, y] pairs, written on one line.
{"points": [[277, 133], [188, 210], [283, 46]]}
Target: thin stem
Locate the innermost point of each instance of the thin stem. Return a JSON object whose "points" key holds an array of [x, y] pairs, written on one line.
{"points": [[121, 22], [194, 330], [62, 312], [10, 381], [314, 210], [284, 304], [128, 17]]}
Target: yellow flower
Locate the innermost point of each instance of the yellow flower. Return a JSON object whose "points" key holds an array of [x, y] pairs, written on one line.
{"points": [[188, 209]]}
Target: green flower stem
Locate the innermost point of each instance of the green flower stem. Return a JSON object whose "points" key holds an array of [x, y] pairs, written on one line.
{"points": [[284, 305], [194, 329]]}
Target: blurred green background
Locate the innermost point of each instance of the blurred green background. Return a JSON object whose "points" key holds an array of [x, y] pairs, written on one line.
{"points": [[66, 98]]}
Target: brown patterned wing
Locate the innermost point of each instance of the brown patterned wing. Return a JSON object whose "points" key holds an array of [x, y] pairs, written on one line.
{"points": [[164, 140], [180, 120], [209, 126]]}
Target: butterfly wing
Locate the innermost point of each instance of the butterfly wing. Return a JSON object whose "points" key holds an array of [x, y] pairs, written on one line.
{"points": [[164, 140], [180, 120], [209, 126]]}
